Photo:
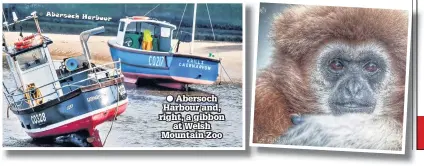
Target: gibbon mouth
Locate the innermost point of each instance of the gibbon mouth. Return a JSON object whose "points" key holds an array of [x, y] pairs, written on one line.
{"points": [[353, 107]]}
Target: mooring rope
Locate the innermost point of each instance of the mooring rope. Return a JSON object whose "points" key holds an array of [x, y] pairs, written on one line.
{"points": [[232, 82], [116, 114], [7, 112], [214, 39], [220, 76]]}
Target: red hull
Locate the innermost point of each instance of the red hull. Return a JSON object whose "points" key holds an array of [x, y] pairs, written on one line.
{"points": [[88, 122], [176, 82]]}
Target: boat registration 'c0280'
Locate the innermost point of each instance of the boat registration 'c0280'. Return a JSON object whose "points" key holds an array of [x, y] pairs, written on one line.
{"points": [[143, 45]]}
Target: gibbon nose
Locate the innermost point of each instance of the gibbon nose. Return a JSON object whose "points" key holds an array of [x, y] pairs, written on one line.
{"points": [[353, 87]]}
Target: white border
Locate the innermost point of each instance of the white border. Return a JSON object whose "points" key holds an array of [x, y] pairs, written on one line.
{"points": [[414, 77], [243, 147], [341, 4]]}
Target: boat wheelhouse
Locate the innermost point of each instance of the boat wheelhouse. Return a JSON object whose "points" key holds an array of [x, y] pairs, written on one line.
{"points": [[147, 53], [64, 100]]}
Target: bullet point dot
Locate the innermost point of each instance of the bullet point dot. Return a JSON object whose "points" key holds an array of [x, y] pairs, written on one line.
{"points": [[169, 98]]}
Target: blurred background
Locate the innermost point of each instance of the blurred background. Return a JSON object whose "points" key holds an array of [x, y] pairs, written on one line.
{"points": [[267, 12]]}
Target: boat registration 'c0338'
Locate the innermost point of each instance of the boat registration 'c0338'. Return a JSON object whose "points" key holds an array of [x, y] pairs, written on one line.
{"points": [[62, 101]]}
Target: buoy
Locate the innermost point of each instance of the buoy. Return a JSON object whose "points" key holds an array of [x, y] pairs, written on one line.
{"points": [[23, 47], [22, 42], [29, 41], [29, 37]]}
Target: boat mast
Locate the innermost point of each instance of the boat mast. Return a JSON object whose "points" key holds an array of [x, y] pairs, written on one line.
{"points": [[15, 62], [194, 28]]}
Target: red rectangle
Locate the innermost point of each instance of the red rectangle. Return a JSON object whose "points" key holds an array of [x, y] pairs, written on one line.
{"points": [[420, 132]]}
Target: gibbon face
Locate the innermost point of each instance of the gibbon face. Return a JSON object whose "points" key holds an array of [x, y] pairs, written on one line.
{"points": [[351, 78]]}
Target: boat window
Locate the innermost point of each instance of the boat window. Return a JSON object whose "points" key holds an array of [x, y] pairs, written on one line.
{"points": [[31, 59], [132, 27], [165, 32], [147, 26], [121, 26]]}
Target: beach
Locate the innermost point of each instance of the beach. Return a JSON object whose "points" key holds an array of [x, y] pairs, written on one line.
{"points": [[139, 125], [230, 53]]}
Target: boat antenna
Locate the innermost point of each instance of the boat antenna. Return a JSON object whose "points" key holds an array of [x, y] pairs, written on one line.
{"points": [[33, 15], [194, 28], [20, 33], [151, 10], [4, 39]]}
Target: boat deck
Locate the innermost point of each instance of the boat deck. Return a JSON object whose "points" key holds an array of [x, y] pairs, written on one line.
{"points": [[72, 80]]}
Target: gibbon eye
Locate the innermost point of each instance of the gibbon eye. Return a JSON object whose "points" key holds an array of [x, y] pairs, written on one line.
{"points": [[371, 67], [336, 65]]}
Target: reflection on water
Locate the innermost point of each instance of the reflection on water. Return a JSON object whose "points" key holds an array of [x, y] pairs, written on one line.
{"points": [[138, 125]]}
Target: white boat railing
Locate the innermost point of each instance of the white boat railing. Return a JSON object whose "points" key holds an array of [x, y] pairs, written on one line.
{"points": [[114, 71]]}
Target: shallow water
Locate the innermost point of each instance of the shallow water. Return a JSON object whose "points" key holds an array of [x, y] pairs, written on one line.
{"points": [[138, 125]]}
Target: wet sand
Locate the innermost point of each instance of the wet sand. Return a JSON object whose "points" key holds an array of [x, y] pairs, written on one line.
{"points": [[69, 45], [138, 126]]}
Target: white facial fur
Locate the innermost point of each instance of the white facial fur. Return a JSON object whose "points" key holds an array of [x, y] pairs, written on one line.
{"points": [[321, 87], [358, 131]]}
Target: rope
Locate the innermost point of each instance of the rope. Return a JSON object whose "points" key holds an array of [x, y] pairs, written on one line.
{"points": [[215, 48], [7, 112], [220, 76], [38, 26], [210, 21], [214, 38], [232, 82], [179, 25], [151, 10], [213, 34], [116, 114]]}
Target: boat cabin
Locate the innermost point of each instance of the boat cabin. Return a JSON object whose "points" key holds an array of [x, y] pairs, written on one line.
{"points": [[143, 33], [32, 68], [39, 79]]}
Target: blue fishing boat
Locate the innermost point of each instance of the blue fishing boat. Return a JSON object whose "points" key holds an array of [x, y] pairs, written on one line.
{"points": [[61, 100], [144, 47]]}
